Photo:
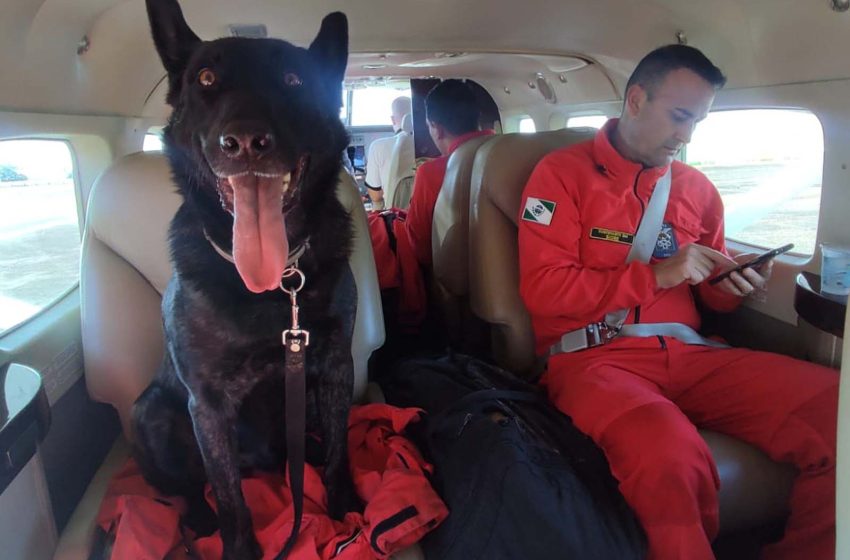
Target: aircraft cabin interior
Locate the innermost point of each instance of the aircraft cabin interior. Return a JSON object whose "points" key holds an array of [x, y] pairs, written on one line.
{"points": [[86, 198]]}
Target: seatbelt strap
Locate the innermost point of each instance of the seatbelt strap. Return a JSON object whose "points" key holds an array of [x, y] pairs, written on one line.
{"points": [[678, 331], [645, 238], [597, 334]]}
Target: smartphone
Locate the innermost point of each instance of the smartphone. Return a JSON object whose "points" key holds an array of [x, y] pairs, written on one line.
{"points": [[755, 263]]}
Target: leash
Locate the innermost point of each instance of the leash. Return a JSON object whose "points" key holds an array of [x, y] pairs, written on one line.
{"points": [[295, 340]]}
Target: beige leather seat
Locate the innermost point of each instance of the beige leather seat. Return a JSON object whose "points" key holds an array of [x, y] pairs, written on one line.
{"points": [[450, 249], [125, 268], [754, 490], [402, 167]]}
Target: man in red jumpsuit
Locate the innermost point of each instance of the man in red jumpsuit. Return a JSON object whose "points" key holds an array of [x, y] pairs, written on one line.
{"points": [[640, 398], [452, 114]]}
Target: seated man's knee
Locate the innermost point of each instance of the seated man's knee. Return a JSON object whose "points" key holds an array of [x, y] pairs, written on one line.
{"points": [[659, 440]]}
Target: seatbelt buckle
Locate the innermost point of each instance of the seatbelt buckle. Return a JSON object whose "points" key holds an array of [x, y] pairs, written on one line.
{"points": [[591, 336]]}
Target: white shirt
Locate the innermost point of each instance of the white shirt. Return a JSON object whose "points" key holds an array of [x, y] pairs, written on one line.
{"points": [[378, 162]]}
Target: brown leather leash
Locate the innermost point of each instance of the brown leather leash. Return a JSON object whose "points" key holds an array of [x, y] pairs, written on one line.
{"points": [[295, 340]]}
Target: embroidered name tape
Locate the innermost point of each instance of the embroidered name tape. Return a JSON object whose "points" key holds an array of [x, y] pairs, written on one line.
{"points": [[538, 211], [611, 235]]}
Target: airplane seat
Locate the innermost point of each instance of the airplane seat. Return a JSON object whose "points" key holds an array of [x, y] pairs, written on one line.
{"points": [[754, 490], [402, 167], [125, 268], [450, 250]]}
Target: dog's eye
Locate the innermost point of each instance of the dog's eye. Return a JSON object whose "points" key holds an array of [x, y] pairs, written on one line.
{"points": [[206, 77], [291, 79]]}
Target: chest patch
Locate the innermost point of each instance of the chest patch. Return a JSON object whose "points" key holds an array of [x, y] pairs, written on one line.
{"points": [[666, 244], [611, 235], [538, 211]]}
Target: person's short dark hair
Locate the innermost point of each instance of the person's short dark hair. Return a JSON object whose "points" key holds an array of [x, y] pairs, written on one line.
{"points": [[655, 66], [452, 104]]}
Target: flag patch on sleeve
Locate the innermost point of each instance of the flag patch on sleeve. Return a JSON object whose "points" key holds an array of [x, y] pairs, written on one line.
{"points": [[538, 210]]}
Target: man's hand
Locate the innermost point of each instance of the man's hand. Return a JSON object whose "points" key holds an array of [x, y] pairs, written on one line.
{"points": [[692, 264], [747, 281]]}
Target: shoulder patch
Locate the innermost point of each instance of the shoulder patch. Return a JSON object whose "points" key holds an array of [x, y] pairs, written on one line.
{"points": [[666, 245], [538, 211]]}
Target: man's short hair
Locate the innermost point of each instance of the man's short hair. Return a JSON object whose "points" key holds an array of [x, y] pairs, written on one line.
{"points": [[655, 66], [401, 106], [452, 104]]}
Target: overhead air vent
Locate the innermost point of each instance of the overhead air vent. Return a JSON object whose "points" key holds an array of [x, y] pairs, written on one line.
{"points": [[257, 31], [545, 88]]}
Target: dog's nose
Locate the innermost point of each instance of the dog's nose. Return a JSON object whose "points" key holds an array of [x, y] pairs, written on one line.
{"points": [[237, 142]]}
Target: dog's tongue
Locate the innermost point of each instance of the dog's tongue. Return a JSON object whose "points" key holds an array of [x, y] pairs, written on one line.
{"points": [[260, 246]]}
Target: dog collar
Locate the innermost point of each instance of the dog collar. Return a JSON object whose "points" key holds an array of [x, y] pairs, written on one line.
{"points": [[293, 257]]}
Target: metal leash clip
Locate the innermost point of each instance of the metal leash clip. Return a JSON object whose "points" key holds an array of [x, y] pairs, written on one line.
{"points": [[294, 336]]}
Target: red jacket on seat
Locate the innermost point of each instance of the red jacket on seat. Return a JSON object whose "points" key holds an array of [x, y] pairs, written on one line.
{"points": [[388, 473]]}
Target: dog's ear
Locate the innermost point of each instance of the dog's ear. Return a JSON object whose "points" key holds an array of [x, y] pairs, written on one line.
{"points": [[330, 47], [173, 38]]}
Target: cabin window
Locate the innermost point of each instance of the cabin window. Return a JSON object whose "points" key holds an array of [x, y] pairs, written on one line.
{"points": [[768, 166], [153, 140], [372, 105], [587, 121], [39, 227], [526, 125]]}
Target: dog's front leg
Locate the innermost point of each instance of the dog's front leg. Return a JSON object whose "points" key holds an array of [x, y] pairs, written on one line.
{"points": [[335, 387], [214, 421]]}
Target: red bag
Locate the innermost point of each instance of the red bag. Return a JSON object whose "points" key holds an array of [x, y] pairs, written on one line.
{"points": [[397, 265]]}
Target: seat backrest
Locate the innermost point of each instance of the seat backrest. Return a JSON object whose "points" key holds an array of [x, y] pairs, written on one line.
{"points": [[499, 175], [401, 164], [402, 192], [126, 267], [450, 239]]}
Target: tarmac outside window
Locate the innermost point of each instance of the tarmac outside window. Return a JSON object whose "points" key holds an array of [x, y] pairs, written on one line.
{"points": [[39, 227], [768, 166]]}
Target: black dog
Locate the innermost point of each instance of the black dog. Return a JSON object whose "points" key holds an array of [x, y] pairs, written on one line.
{"points": [[255, 144]]}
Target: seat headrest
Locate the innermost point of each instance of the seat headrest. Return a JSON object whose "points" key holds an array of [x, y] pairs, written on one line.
{"points": [[407, 123], [450, 230], [130, 209], [501, 170]]}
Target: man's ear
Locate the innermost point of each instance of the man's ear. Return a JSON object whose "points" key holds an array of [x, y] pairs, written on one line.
{"points": [[438, 131], [173, 38], [330, 49], [636, 96]]}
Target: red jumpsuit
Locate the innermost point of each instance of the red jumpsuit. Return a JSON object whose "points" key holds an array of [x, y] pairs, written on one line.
{"points": [[639, 398], [426, 189]]}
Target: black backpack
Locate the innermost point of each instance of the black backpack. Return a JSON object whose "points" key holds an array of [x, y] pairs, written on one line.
{"points": [[520, 481]]}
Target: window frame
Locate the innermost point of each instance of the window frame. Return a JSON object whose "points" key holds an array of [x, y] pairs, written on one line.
{"points": [[738, 246], [526, 118], [79, 211], [571, 116]]}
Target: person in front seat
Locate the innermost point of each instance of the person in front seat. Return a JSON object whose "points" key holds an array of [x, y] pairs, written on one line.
{"points": [[640, 396], [380, 154], [452, 113]]}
